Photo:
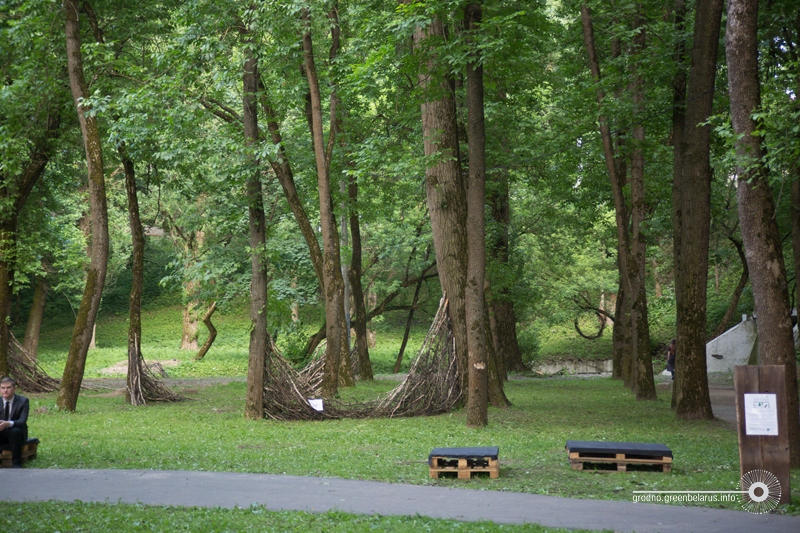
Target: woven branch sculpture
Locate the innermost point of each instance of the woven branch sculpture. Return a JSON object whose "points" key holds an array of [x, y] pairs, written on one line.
{"points": [[26, 371], [432, 386], [32, 378]]}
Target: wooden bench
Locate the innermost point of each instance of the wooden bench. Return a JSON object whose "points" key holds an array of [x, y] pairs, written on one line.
{"points": [[28, 453], [464, 461], [621, 455]]}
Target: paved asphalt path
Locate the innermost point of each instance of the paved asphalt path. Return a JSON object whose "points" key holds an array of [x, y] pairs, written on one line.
{"points": [[278, 492]]}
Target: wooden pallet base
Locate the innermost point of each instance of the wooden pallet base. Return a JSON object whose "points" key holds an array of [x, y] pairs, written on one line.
{"points": [[28, 453], [464, 467], [621, 461]]}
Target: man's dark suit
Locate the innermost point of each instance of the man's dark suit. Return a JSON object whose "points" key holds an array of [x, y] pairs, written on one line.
{"points": [[16, 437]]}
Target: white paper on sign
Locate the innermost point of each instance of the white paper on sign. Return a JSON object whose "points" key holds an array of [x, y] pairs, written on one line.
{"points": [[315, 403], [761, 414]]}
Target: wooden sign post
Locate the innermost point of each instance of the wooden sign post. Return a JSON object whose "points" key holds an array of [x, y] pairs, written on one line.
{"points": [[762, 422]]}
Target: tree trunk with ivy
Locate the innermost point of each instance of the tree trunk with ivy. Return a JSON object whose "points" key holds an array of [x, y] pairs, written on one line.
{"points": [[96, 273], [259, 335]]}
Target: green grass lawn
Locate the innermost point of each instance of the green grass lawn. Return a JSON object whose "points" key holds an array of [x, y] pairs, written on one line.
{"points": [[122, 518], [106, 432]]}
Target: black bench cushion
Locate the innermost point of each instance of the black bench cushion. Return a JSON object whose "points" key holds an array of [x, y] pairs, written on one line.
{"points": [[31, 440], [632, 448], [464, 453]]}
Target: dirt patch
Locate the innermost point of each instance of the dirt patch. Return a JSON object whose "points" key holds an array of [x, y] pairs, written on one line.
{"points": [[113, 393], [175, 383], [121, 368]]}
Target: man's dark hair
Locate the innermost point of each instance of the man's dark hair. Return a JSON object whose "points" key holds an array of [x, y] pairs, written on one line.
{"points": [[8, 379]]}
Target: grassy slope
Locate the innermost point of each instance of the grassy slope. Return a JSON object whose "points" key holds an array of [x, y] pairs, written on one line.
{"points": [[161, 334]]}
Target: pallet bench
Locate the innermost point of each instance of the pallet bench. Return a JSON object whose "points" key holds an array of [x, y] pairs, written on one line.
{"points": [[584, 453], [28, 453], [464, 461]]}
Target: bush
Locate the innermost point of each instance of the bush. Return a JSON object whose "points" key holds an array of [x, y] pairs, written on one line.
{"points": [[529, 344], [292, 340]]}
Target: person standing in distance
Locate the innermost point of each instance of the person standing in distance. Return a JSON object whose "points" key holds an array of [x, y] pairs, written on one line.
{"points": [[13, 420], [671, 353]]}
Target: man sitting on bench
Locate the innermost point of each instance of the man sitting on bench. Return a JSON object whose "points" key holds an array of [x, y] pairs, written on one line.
{"points": [[13, 420]]}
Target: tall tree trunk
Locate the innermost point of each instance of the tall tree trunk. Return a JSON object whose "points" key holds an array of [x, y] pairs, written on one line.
{"points": [[141, 385], [444, 188], [8, 262], [96, 273], [502, 306], [759, 229], [678, 124], [497, 375], [14, 192], [331, 267], [656, 280], [624, 333], [34, 326], [691, 219], [796, 183], [259, 335], [283, 170], [191, 242], [620, 336], [477, 343], [189, 329], [506, 343], [617, 175], [137, 379], [360, 322], [631, 244], [336, 129], [644, 388], [134, 391], [796, 240]]}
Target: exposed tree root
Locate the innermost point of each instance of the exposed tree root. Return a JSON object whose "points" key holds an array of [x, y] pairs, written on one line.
{"points": [[143, 386]]}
